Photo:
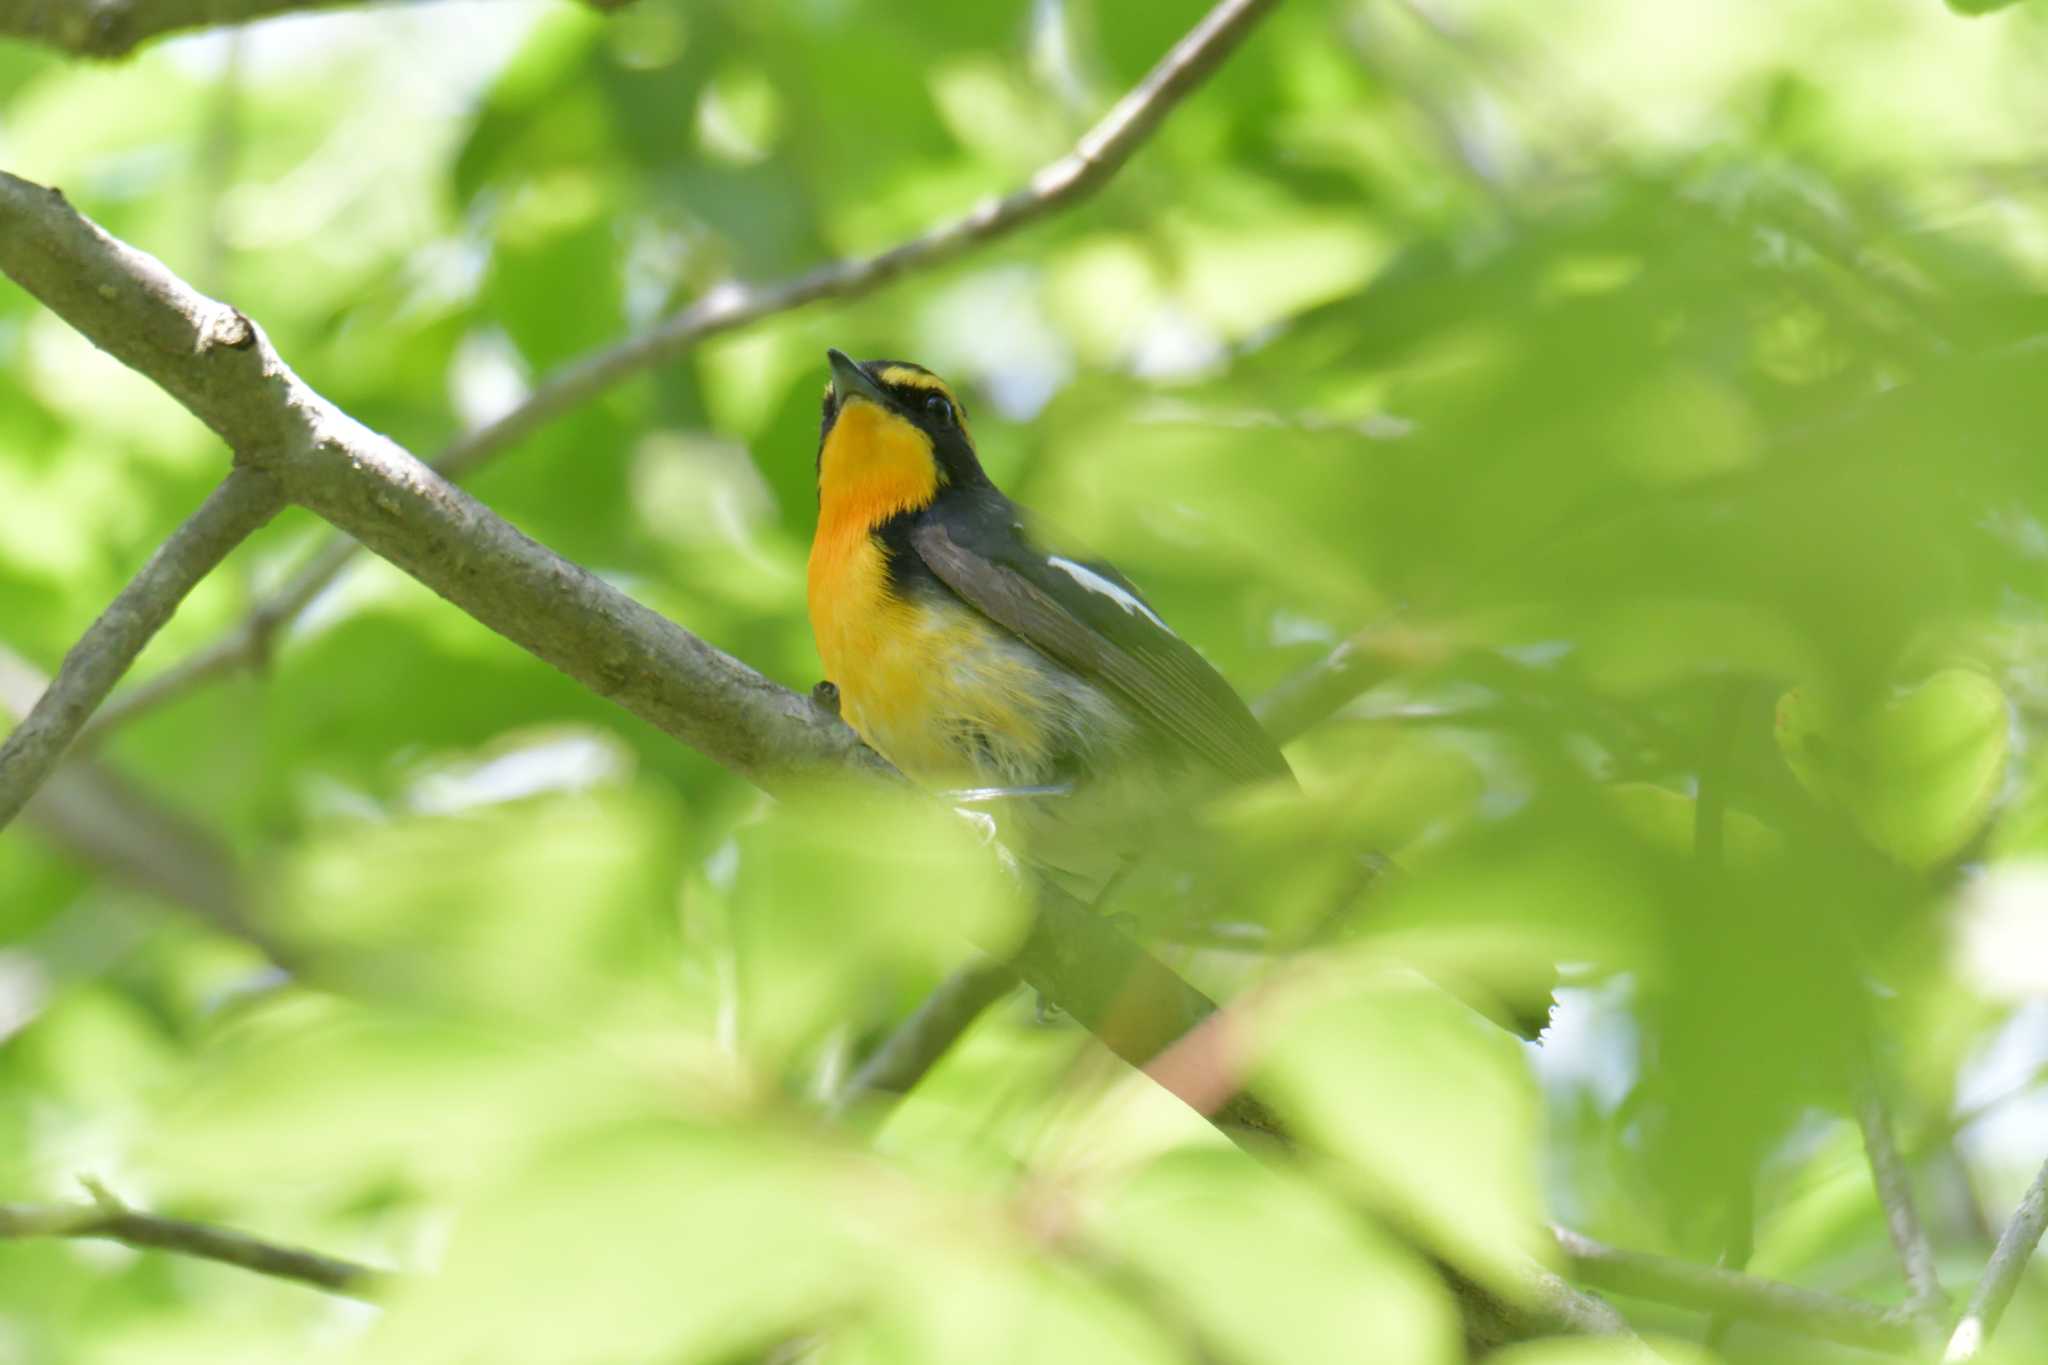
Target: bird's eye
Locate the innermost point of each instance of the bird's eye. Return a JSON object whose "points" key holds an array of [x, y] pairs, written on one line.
{"points": [[938, 406]]}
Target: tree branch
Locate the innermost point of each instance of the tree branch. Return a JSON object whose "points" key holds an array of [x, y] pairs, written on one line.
{"points": [[1297, 704], [241, 504], [1713, 1290], [93, 813], [1362, 660], [1925, 1299], [363, 483], [915, 1046], [107, 1219], [2002, 1276], [1100, 153], [113, 28], [221, 366], [246, 646], [1061, 184]]}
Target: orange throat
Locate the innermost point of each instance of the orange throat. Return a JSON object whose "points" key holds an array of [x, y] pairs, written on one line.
{"points": [[872, 467]]}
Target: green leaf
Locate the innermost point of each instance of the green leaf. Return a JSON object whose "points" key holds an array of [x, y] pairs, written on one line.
{"points": [[1274, 1269], [838, 902], [1393, 1077], [1918, 772], [1667, 820]]}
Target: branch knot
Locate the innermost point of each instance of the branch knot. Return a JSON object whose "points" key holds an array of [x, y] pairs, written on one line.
{"points": [[227, 327]]}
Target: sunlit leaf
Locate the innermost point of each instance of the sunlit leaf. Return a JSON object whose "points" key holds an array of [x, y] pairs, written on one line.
{"points": [[1388, 1073], [1918, 772]]}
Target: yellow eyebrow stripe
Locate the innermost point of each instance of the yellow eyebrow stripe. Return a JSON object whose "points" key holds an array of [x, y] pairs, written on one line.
{"points": [[896, 376]]}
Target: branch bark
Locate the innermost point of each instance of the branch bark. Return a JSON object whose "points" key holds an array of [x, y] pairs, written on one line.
{"points": [[230, 514], [1713, 1290], [113, 28], [246, 646], [2002, 1276], [131, 306], [1925, 1299], [109, 1220], [219, 365], [222, 367], [1099, 154], [916, 1045]]}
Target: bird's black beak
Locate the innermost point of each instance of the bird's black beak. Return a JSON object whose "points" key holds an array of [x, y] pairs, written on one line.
{"points": [[851, 381]]}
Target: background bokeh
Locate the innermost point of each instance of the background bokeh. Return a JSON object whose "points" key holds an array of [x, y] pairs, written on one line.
{"points": [[1670, 376]]}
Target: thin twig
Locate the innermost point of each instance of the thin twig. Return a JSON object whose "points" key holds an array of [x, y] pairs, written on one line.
{"points": [[1099, 154], [1710, 855], [1711, 1289], [1925, 1300], [220, 366], [233, 511], [1465, 142], [2002, 1276], [916, 1045], [1147, 1015], [1943, 1132], [247, 646], [92, 812], [1364, 659], [107, 1219]]}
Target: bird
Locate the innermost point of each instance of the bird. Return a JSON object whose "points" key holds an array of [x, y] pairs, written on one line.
{"points": [[988, 661]]}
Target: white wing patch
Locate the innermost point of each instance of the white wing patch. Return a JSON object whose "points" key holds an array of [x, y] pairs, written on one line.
{"points": [[1096, 583]]}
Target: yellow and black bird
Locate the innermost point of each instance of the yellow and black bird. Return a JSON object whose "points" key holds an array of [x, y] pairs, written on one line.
{"points": [[972, 656]]}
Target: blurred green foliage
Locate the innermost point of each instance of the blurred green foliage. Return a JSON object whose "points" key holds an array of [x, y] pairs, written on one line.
{"points": [[1677, 371]]}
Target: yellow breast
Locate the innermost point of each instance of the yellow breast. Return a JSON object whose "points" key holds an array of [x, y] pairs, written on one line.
{"points": [[932, 685]]}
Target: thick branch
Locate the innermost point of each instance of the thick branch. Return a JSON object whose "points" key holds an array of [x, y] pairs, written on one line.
{"points": [[1060, 185], [130, 306], [221, 366], [113, 28], [2002, 1276], [111, 1221], [1713, 1290], [1133, 1003], [369, 487], [563, 613], [228, 516]]}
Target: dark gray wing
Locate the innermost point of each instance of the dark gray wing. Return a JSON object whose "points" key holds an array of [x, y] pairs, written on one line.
{"points": [[1089, 618]]}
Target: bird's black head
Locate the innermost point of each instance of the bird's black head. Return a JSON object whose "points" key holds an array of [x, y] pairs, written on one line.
{"points": [[891, 431]]}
